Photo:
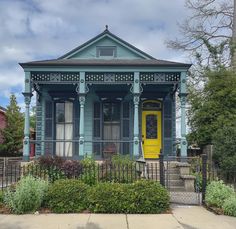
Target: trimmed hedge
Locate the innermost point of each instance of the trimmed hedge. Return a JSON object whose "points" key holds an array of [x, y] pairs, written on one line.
{"points": [[109, 198], [67, 196], [140, 197], [148, 197], [73, 196]]}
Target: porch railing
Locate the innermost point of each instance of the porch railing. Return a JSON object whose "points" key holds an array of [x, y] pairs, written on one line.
{"points": [[104, 149]]}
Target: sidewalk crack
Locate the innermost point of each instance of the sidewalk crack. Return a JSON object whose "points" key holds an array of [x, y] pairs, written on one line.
{"points": [[127, 222]]}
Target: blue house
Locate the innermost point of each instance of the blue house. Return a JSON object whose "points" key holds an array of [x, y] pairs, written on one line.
{"points": [[105, 97]]}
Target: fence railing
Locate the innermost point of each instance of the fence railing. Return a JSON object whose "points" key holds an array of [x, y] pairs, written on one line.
{"points": [[227, 175], [103, 172]]}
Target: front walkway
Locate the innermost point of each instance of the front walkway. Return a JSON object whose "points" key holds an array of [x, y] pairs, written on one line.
{"points": [[183, 217]]}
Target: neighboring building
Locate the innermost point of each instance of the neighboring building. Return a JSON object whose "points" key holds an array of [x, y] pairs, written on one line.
{"points": [[2, 121], [105, 97]]}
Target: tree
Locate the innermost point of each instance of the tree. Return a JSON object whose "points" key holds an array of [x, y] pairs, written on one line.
{"points": [[213, 107], [13, 133], [207, 33], [224, 141]]}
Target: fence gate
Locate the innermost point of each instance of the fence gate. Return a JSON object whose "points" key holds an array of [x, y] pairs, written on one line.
{"points": [[183, 179]]}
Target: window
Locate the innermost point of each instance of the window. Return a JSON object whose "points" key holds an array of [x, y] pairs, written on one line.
{"points": [[106, 51], [151, 126], [111, 127], [64, 128]]}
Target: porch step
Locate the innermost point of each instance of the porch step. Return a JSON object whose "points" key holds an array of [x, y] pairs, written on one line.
{"points": [[173, 183], [173, 176], [176, 189]]}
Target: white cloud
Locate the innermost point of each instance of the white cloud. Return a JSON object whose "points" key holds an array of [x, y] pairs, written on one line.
{"points": [[42, 29]]}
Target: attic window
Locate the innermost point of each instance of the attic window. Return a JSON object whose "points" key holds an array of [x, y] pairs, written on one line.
{"points": [[106, 51]]}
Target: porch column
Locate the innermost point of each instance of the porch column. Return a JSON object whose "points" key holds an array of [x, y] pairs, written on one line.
{"points": [[27, 96], [81, 92], [136, 94], [183, 95]]}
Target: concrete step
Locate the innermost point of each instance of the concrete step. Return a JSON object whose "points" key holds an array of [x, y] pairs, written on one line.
{"points": [[175, 183], [176, 189], [172, 176]]}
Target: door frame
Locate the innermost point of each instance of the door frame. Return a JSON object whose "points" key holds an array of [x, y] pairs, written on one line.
{"points": [[157, 107]]}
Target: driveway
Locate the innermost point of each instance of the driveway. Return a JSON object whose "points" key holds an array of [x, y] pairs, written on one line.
{"points": [[183, 217]]}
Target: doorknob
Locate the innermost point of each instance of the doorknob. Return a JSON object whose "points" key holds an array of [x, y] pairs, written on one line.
{"points": [[142, 141]]}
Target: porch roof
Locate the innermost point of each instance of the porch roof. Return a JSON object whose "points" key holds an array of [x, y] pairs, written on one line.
{"points": [[104, 62]]}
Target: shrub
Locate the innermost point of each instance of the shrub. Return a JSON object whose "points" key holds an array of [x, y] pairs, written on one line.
{"points": [[50, 161], [148, 197], [27, 196], [216, 193], [71, 168], [229, 206], [67, 196], [109, 198], [50, 174], [89, 173], [120, 169], [139, 197], [59, 168], [121, 160]]}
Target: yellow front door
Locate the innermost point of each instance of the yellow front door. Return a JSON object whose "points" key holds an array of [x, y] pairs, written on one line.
{"points": [[151, 133]]}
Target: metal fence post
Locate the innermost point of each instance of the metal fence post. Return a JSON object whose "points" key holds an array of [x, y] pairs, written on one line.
{"points": [[162, 172], [204, 176]]}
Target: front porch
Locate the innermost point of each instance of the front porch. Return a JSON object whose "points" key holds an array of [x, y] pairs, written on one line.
{"points": [[107, 118]]}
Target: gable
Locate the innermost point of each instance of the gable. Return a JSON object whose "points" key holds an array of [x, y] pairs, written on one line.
{"points": [[106, 40], [91, 52]]}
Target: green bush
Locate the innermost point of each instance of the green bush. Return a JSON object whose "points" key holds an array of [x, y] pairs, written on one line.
{"points": [[67, 196], [229, 206], [120, 169], [90, 171], [216, 193], [109, 198], [27, 196], [140, 197], [148, 197], [122, 160]]}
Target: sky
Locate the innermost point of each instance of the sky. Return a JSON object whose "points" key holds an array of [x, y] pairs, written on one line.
{"points": [[44, 29]]}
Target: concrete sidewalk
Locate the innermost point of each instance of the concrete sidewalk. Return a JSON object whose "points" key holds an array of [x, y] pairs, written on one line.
{"points": [[183, 217]]}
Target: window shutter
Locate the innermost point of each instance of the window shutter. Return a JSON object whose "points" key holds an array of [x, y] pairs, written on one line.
{"points": [[48, 127], [168, 130], [126, 127], [76, 126], [97, 119]]}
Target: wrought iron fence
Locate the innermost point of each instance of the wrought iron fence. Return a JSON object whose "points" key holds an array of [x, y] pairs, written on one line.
{"points": [[228, 176], [98, 172]]}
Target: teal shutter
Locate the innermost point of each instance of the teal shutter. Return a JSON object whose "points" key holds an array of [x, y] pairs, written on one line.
{"points": [[38, 148], [168, 125], [76, 127], [126, 128], [97, 130], [48, 146]]}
